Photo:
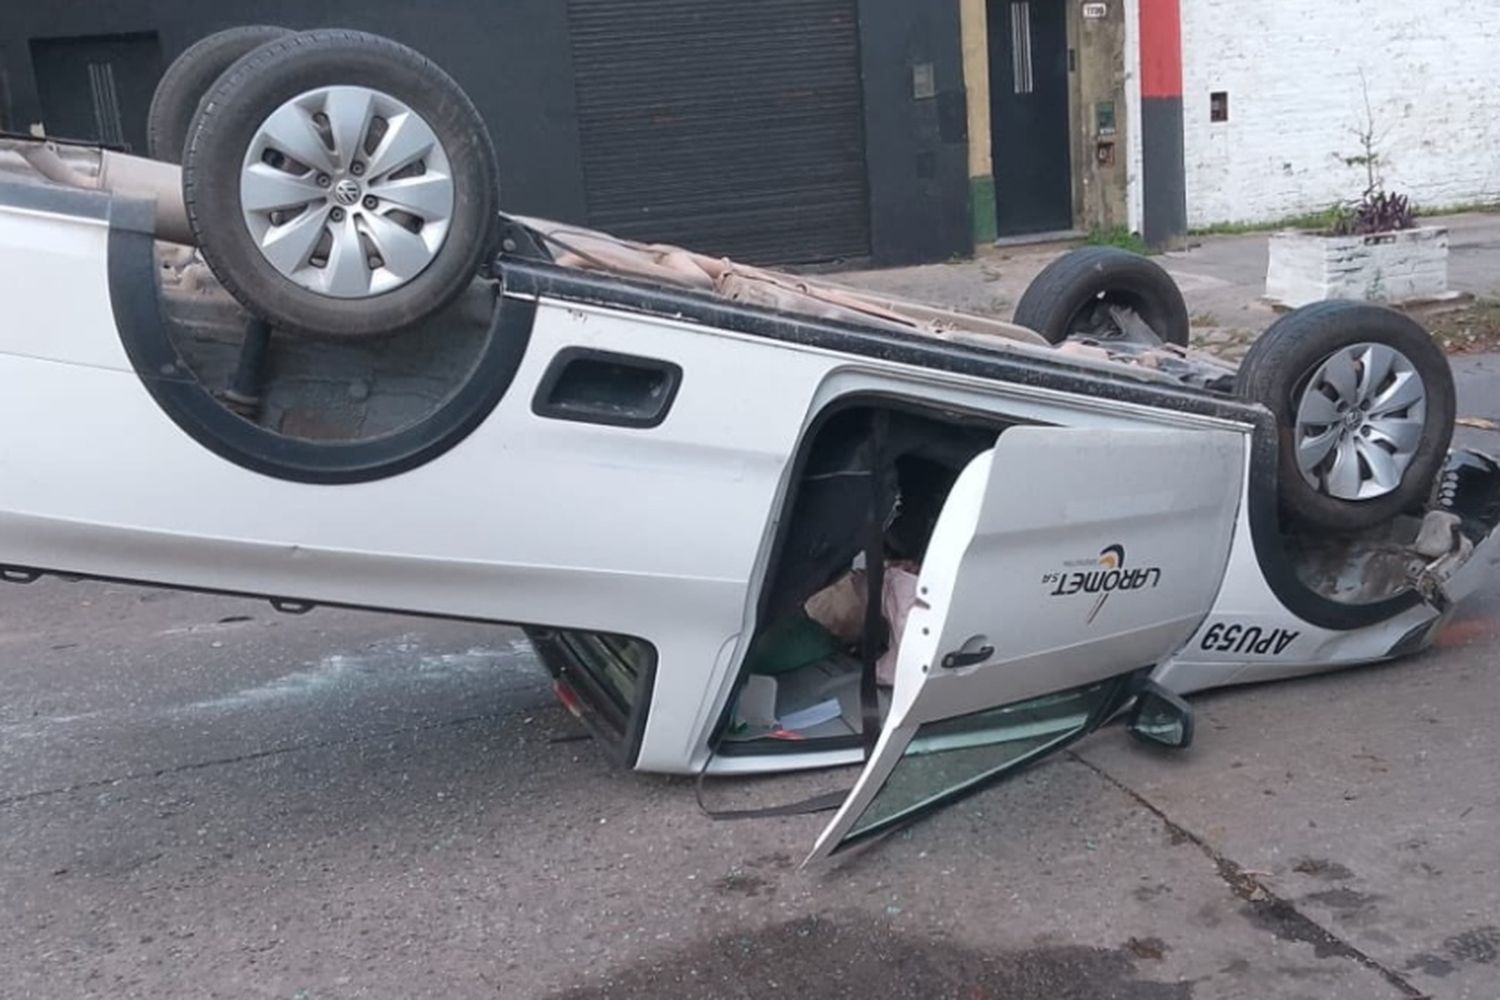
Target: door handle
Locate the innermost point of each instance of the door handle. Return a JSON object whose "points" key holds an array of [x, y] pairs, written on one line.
{"points": [[603, 387], [961, 658]]}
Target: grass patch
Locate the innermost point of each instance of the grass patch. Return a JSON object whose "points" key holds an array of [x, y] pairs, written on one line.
{"points": [[1474, 327], [1318, 221], [1324, 219], [1462, 208], [1118, 236]]}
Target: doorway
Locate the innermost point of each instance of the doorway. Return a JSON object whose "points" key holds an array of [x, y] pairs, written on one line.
{"points": [[1028, 48], [97, 88]]}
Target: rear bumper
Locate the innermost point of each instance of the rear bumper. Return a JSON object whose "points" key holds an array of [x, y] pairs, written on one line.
{"points": [[1254, 634]]}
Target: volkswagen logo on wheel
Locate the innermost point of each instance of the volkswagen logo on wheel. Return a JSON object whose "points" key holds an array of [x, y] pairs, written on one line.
{"points": [[346, 191]]}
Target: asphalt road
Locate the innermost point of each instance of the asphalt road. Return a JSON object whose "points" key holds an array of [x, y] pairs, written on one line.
{"points": [[200, 797]]}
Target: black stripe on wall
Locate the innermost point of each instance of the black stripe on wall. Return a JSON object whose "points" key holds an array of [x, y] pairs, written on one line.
{"points": [[1163, 170]]}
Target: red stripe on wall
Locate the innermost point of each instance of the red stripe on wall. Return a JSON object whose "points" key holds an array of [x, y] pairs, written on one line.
{"points": [[1161, 48]]}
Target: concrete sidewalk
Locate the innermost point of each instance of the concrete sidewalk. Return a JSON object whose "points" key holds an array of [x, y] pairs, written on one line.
{"points": [[1222, 277]]}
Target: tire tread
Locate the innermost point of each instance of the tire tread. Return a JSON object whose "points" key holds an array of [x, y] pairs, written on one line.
{"points": [[1061, 288], [189, 78]]}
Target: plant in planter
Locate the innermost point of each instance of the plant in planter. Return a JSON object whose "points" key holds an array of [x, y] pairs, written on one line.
{"points": [[1374, 251], [1379, 212]]}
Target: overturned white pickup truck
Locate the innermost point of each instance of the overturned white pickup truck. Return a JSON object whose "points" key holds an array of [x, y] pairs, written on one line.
{"points": [[356, 383]]}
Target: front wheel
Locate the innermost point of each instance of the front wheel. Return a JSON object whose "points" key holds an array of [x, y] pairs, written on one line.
{"points": [[1365, 407]]}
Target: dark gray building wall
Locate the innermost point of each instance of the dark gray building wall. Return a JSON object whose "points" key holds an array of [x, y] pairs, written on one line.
{"points": [[916, 146], [511, 56], [514, 60]]}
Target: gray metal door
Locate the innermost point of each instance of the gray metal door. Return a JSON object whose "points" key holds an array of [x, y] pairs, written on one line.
{"points": [[730, 127], [1029, 115]]}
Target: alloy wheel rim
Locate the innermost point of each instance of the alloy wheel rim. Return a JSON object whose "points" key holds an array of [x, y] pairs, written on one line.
{"points": [[1360, 420], [347, 192]]}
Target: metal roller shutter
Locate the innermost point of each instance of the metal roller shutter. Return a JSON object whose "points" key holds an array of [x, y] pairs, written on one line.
{"points": [[726, 126]]}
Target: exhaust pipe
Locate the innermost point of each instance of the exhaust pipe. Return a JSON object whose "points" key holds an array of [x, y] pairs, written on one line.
{"points": [[119, 173]]}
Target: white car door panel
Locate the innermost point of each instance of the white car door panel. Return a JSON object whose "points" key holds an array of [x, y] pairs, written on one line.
{"points": [[1065, 560], [522, 520]]}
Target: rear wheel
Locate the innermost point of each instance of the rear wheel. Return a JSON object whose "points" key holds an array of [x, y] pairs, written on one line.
{"points": [[1365, 407], [340, 184], [189, 77], [1108, 294]]}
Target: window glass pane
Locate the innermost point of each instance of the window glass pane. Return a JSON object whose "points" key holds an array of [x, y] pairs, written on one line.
{"points": [[948, 757], [1020, 29], [615, 661]]}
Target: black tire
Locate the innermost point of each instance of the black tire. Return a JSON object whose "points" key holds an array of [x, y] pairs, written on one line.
{"points": [[1281, 363], [227, 122], [1069, 288], [189, 78]]}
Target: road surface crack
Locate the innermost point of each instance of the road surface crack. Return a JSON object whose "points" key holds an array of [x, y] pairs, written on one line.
{"points": [[1269, 910], [244, 758]]}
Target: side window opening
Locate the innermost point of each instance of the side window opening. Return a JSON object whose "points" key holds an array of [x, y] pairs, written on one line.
{"points": [[604, 680]]}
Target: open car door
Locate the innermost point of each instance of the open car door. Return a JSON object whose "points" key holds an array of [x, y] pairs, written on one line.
{"points": [[1066, 563]]}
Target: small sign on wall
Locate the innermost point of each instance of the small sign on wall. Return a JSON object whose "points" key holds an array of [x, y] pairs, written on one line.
{"points": [[923, 81], [1104, 118], [1095, 11]]}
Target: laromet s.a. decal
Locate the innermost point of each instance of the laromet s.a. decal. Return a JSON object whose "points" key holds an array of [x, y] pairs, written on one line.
{"points": [[1107, 574]]}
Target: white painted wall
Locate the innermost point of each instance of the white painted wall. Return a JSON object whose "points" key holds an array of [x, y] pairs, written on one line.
{"points": [[1293, 72], [1135, 200]]}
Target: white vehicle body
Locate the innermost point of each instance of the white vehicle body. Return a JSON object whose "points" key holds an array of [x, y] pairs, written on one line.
{"points": [[669, 532]]}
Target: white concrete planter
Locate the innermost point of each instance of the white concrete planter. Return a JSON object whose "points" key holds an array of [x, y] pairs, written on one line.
{"points": [[1403, 266]]}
